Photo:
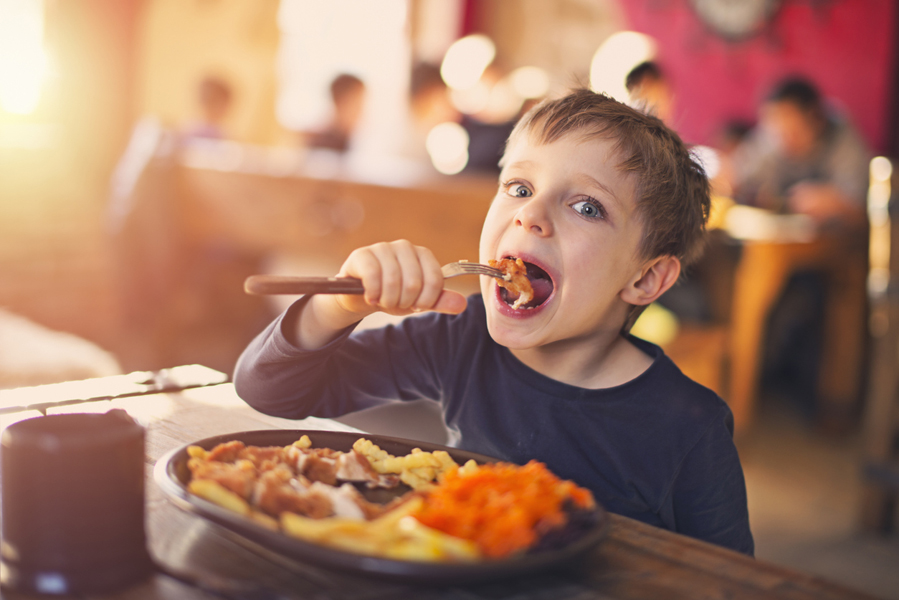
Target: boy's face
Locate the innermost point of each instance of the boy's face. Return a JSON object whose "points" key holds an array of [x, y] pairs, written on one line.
{"points": [[567, 211]]}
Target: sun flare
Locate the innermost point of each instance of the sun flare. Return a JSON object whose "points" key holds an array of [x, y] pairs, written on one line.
{"points": [[23, 60]]}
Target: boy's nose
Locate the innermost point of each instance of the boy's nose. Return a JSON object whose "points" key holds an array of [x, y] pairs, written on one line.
{"points": [[534, 217]]}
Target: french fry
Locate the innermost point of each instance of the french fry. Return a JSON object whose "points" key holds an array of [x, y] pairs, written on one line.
{"points": [[395, 534], [391, 518], [303, 443], [260, 518], [344, 534], [197, 452], [215, 493], [469, 468], [436, 544], [398, 464], [415, 481], [446, 461], [368, 449], [429, 473], [417, 469], [319, 530], [363, 543]]}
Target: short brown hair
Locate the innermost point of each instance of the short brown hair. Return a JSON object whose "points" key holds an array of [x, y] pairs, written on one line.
{"points": [[672, 189]]}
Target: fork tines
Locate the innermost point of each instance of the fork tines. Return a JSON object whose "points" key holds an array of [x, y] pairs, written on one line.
{"points": [[472, 269], [481, 269]]}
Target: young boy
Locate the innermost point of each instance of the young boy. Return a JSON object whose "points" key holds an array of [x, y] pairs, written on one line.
{"points": [[603, 204]]}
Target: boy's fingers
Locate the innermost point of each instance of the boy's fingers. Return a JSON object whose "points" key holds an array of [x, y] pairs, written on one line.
{"points": [[432, 279], [398, 277], [450, 302], [411, 274], [391, 276], [363, 263]]}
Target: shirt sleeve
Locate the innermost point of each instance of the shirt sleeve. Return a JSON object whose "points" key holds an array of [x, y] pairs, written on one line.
{"points": [[353, 372], [709, 492]]}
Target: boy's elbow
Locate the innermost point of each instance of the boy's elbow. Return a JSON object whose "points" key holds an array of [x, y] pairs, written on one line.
{"points": [[244, 389], [250, 392], [250, 383], [246, 385], [258, 395]]}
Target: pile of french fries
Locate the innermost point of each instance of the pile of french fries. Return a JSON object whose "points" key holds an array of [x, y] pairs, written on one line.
{"points": [[419, 470], [395, 535]]}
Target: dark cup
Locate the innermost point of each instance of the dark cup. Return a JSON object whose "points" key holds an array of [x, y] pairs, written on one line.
{"points": [[73, 504]]}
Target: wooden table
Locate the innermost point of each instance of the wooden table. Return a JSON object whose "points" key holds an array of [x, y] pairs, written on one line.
{"points": [[635, 561], [762, 274], [765, 266]]}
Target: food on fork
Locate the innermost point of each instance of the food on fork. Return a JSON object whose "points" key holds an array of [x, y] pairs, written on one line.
{"points": [[515, 280], [451, 514]]}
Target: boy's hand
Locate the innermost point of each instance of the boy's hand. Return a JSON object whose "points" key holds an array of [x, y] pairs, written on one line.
{"points": [[399, 279]]}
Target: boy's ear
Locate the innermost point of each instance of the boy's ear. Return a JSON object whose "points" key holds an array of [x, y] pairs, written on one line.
{"points": [[654, 279]]}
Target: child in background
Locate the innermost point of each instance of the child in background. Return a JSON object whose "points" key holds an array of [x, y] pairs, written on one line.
{"points": [[604, 205], [348, 100], [649, 90], [215, 99]]}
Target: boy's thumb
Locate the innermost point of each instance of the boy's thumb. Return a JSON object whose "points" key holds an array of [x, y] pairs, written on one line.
{"points": [[450, 302]]}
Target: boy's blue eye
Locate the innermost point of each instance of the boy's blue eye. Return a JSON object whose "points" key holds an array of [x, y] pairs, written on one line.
{"points": [[519, 191], [590, 208]]}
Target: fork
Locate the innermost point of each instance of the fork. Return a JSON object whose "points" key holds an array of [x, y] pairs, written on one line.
{"points": [[264, 285], [463, 267]]}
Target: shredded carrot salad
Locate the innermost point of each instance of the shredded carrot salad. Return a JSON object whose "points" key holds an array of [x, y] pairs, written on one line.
{"points": [[501, 507]]}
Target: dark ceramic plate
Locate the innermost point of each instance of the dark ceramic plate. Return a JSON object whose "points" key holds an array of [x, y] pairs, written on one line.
{"points": [[171, 475]]}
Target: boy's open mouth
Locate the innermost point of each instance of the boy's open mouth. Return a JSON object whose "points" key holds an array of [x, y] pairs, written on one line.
{"points": [[541, 283]]}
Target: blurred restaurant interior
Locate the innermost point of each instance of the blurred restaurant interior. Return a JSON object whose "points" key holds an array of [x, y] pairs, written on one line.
{"points": [[155, 153]]}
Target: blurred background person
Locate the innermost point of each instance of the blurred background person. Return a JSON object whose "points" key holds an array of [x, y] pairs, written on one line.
{"points": [[348, 101], [803, 158], [650, 91], [214, 99], [728, 140]]}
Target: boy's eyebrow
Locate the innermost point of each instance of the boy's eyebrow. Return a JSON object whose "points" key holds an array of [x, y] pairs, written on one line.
{"points": [[598, 184], [517, 164]]}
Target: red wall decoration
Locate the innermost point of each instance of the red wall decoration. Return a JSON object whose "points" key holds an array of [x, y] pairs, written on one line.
{"points": [[847, 47]]}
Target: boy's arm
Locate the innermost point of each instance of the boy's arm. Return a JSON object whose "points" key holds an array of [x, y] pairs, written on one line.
{"points": [[349, 373], [272, 373], [287, 370], [709, 494]]}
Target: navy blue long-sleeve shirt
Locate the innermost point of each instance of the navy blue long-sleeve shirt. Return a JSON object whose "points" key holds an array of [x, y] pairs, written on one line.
{"points": [[658, 448]]}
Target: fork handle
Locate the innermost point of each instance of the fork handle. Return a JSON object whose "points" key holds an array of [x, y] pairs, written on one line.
{"points": [[266, 285]]}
